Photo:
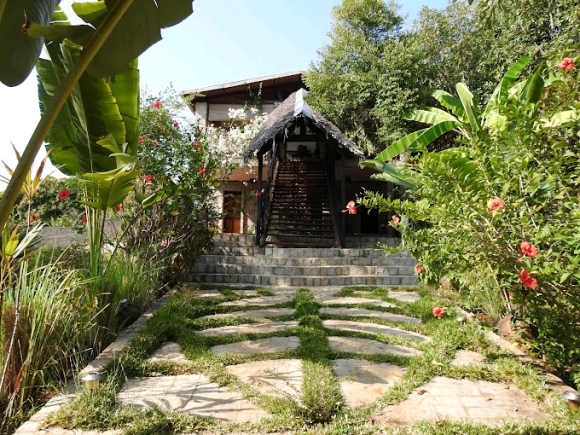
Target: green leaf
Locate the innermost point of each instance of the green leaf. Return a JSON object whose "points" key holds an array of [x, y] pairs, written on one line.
{"points": [[469, 106], [501, 91], [18, 52], [160, 195], [107, 189], [562, 118], [58, 33], [399, 146], [89, 12], [138, 30], [97, 108], [450, 102], [534, 87], [430, 116], [393, 179]]}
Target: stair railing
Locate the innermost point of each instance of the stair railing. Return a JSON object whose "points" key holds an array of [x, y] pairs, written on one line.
{"points": [[269, 196]]}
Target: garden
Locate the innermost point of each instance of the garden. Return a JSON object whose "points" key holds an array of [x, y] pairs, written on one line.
{"points": [[487, 167]]}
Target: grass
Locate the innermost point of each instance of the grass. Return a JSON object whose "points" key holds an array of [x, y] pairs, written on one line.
{"points": [[320, 408]]}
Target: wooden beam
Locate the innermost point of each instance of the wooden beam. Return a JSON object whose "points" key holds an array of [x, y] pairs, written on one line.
{"points": [[259, 199]]}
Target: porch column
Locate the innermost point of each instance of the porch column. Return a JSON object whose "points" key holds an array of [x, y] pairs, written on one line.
{"points": [[259, 199], [342, 196]]}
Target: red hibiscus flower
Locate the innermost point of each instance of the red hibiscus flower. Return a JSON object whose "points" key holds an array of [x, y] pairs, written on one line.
{"points": [[527, 280], [175, 124], [84, 219], [155, 143], [141, 140], [258, 193], [439, 312], [63, 194], [567, 64], [118, 207], [157, 104], [34, 217], [201, 170], [528, 249], [496, 204], [350, 208], [396, 219], [419, 269], [196, 144], [148, 178]]}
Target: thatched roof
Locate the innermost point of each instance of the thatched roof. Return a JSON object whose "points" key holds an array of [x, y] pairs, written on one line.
{"points": [[283, 117]]}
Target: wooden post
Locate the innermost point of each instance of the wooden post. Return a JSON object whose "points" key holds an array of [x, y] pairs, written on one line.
{"points": [[259, 199], [342, 195]]}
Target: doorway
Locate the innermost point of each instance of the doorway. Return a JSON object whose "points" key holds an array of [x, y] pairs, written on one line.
{"points": [[232, 212]]}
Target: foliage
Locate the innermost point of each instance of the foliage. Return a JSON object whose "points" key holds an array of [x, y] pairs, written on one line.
{"points": [[506, 199], [181, 175], [367, 79]]}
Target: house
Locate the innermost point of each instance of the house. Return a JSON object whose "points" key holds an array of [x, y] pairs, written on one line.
{"points": [[307, 169]]}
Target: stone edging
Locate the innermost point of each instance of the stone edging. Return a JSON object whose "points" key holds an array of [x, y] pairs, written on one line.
{"points": [[553, 382], [34, 425]]}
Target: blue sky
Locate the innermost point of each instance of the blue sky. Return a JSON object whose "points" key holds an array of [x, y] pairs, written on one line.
{"points": [[223, 41]]}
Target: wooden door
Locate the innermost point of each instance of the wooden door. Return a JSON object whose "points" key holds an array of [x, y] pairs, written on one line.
{"points": [[232, 212]]}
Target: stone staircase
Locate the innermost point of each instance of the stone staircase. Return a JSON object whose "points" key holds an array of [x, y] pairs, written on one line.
{"points": [[234, 259]]}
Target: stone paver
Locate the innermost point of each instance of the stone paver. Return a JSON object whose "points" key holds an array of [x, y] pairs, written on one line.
{"points": [[259, 301], [356, 312], [405, 296], [169, 352], [247, 328], [399, 296], [460, 399], [348, 325], [208, 294], [466, 357], [331, 300], [266, 312], [281, 378], [362, 345], [252, 347], [362, 382], [192, 394], [246, 292]]}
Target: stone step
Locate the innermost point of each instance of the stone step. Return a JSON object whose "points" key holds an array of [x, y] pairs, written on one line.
{"points": [[302, 281], [277, 270], [261, 260], [248, 241]]}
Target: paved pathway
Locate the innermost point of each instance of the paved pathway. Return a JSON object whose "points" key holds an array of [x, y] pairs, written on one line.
{"points": [[361, 381]]}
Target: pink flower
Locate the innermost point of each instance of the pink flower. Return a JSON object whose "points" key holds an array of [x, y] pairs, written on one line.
{"points": [[439, 312], [528, 249], [157, 104], [258, 193], [155, 143], [63, 194], [527, 280], [84, 219], [141, 140], [496, 204], [350, 208], [196, 144], [201, 170], [396, 219], [567, 64], [175, 124], [419, 269], [148, 178], [118, 207]]}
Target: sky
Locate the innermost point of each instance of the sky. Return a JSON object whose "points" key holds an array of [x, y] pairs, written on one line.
{"points": [[222, 41]]}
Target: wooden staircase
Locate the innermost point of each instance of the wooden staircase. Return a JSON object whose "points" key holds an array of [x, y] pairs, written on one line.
{"points": [[301, 210]]}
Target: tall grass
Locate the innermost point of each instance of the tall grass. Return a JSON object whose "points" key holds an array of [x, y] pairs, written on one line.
{"points": [[54, 319], [41, 334]]}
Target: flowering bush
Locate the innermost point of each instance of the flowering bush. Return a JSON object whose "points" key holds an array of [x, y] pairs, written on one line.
{"points": [[506, 199], [230, 142]]}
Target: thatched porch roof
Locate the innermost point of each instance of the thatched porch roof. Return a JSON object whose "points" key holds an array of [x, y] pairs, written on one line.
{"points": [[283, 117]]}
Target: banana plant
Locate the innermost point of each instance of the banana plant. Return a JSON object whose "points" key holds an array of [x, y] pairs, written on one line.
{"points": [[116, 33], [464, 117]]}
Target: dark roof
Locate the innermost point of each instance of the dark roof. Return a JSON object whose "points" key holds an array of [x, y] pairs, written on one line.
{"points": [[273, 86], [283, 116]]}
